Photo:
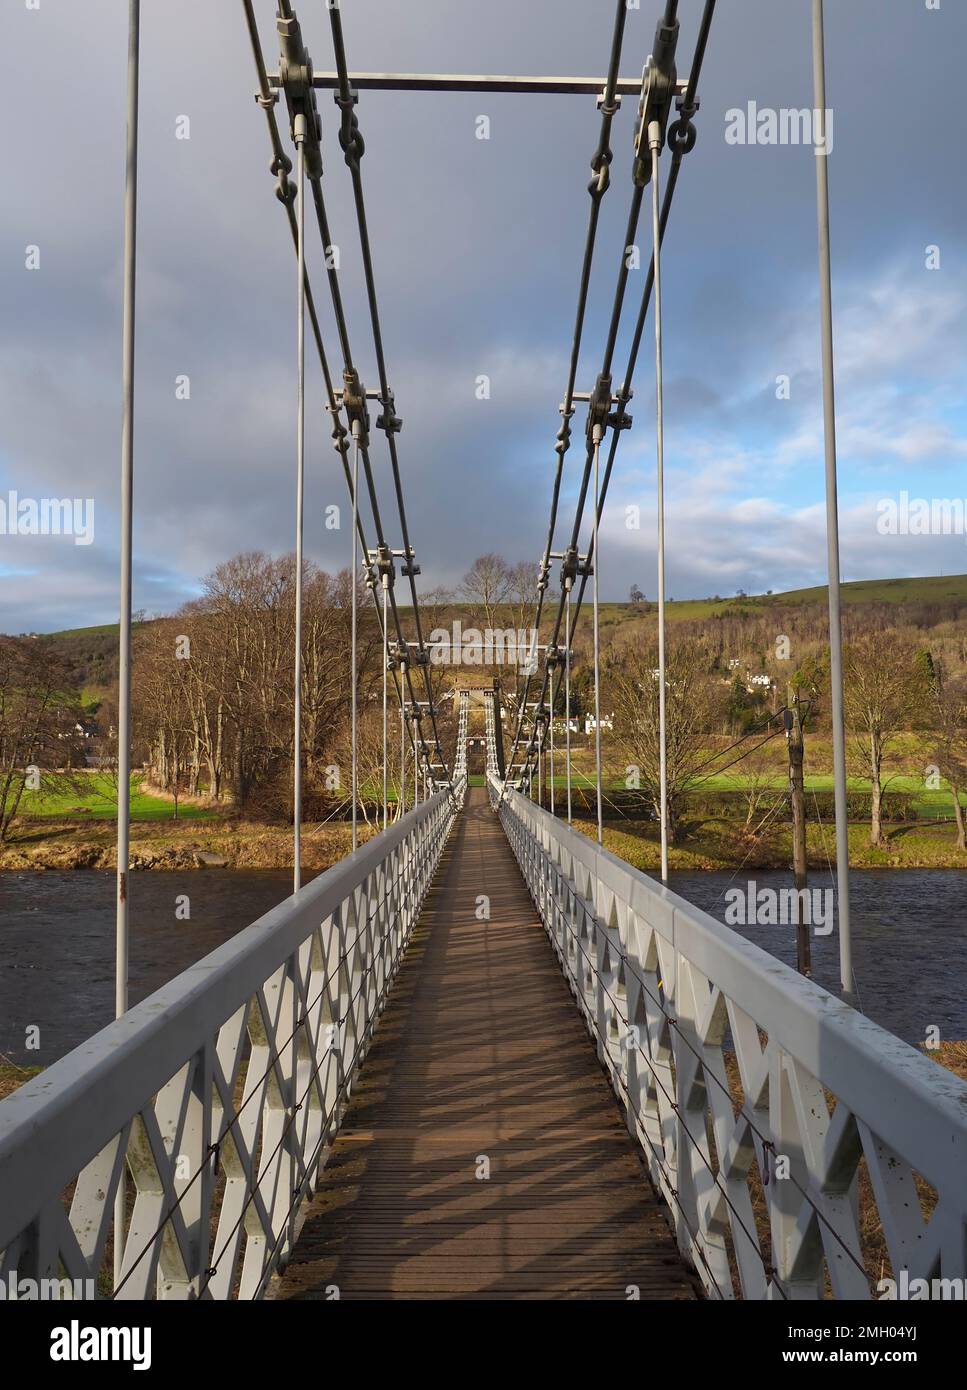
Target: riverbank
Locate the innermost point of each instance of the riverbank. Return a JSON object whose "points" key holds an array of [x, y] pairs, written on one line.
{"points": [[211, 844], [232, 844], [716, 845]]}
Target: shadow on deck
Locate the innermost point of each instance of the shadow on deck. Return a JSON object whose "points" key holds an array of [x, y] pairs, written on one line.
{"points": [[482, 1065]]}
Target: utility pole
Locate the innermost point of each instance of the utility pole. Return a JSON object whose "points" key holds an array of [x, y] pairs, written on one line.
{"points": [[795, 743]]}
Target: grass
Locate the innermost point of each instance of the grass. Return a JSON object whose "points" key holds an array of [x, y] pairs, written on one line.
{"points": [[719, 845], [94, 796], [929, 805], [928, 589], [820, 782], [12, 1076], [174, 844]]}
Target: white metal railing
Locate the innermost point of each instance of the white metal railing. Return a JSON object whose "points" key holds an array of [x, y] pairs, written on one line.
{"points": [[490, 720], [463, 718], [803, 1151], [217, 1094]]}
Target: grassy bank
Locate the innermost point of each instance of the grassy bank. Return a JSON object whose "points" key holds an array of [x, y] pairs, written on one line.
{"points": [[175, 845], [12, 1076], [706, 844], [721, 845], [93, 796]]}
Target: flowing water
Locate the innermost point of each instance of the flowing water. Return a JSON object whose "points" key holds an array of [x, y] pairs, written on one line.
{"points": [[909, 930], [57, 943]]}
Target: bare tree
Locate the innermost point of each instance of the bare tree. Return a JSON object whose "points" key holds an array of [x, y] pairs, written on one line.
{"points": [[883, 687], [37, 722], [758, 792], [486, 586], [948, 717], [214, 684], [690, 706]]}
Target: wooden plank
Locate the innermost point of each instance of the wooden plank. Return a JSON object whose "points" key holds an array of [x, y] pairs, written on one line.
{"points": [[481, 1063]]}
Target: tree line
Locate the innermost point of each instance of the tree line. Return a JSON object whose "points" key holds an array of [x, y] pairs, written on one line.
{"points": [[213, 687]]}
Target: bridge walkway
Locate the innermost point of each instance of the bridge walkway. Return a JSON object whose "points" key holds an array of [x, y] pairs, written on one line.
{"points": [[481, 1064]]}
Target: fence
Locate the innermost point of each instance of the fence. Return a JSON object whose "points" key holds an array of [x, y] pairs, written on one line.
{"points": [[803, 1151], [218, 1094]]}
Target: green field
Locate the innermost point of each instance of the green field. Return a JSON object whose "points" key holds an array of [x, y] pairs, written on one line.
{"points": [[929, 805], [928, 589], [96, 799]]}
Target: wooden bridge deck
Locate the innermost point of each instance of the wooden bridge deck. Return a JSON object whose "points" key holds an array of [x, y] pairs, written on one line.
{"points": [[481, 1057]]}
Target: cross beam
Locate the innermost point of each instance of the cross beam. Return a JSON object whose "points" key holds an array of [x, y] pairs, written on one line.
{"points": [[467, 82]]}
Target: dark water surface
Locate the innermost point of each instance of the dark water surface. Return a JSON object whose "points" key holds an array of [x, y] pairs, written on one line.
{"points": [[909, 929], [57, 943]]}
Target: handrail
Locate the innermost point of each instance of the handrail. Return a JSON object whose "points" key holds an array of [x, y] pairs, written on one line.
{"points": [[220, 1091], [732, 1068]]}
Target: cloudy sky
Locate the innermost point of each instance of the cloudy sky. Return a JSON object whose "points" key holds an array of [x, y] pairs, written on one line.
{"points": [[477, 248]]}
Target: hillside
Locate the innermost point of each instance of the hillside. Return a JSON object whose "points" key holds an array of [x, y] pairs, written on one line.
{"points": [[91, 652], [928, 591], [90, 655], [946, 591]]}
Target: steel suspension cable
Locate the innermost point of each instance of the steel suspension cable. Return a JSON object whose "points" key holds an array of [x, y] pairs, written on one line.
{"points": [[285, 12], [600, 406], [567, 691], [353, 148], [600, 165], [281, 166], [684, 142], [385, 705], [354, 641], [551, 734], [300, 137], [597, 647], [679, 150], [655, 141], [127, 549]]}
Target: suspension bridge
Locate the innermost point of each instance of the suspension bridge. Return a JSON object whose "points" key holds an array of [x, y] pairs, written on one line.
{"points": [[480, 1057]]}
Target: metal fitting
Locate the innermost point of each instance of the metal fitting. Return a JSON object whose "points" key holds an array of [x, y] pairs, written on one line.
{"points": [[295, 74], [658, 86], [570, 566], [389, 422], [383, 565], [354, 400], [599, 408]]}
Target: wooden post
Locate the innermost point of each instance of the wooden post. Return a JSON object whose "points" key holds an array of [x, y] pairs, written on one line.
{"points": [[795, 743]]}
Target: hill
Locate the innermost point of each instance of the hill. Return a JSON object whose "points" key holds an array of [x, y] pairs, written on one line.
{"points": [[91, 652], [929, 590]]}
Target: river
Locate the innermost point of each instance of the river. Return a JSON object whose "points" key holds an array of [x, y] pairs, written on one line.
{"points": [[57, 944]]}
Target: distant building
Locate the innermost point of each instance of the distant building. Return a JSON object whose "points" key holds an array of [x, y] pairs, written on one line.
{"points": [[607, 722]]}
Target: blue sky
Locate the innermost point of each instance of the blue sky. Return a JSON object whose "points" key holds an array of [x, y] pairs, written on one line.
{"points": [[477, 248]]}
